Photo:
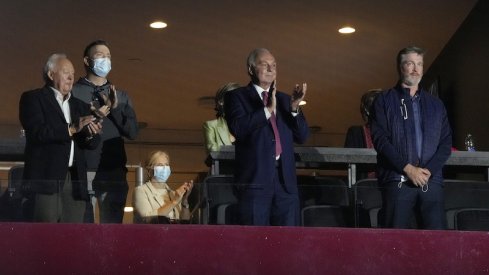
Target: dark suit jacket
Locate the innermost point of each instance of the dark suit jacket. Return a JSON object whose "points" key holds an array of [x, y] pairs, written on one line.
{"points": [[48, 142], [255, 141]]}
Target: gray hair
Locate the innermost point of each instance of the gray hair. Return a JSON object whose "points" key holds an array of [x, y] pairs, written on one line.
{"points": [[251, 61], [50, 65]]}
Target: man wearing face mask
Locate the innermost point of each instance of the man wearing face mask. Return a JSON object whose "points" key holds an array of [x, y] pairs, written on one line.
{"points": [[155, 201], [107, 164]]}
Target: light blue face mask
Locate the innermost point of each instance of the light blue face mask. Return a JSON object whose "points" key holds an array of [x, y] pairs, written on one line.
{"points": [[161, 173], [101, 66]]}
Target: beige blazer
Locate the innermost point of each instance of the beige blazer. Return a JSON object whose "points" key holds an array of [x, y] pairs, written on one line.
{"points": [[148, 199]]}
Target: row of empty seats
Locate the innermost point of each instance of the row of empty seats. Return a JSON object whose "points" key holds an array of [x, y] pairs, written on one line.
{"points": [[327, 201]]}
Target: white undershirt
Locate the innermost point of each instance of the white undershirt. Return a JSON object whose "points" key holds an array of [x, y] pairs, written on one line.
{"points": [[65, 107]]}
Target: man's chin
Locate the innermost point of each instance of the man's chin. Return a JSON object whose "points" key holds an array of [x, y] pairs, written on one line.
{"points": [[411, 82], [265, 82]]}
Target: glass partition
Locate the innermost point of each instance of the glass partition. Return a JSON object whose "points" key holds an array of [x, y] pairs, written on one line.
{"points": [[325, 201]]}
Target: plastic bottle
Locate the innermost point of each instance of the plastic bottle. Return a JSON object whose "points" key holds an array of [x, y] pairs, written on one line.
{"points": [[469, 143]]}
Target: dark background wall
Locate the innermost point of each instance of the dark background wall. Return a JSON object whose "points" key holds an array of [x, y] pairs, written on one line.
{"points": [[461, 71]]}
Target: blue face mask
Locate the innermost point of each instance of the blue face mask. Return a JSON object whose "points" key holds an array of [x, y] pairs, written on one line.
{"points": [[161, 173], [101, 66]]}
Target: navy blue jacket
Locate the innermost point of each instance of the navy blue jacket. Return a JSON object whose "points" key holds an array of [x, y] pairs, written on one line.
{"points": [[390, 134], [255, 141]]}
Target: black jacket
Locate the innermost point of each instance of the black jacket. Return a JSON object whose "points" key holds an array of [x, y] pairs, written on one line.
{"points": [[48, 143]]}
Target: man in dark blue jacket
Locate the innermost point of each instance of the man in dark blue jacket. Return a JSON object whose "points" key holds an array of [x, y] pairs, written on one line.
{"points": [[266, 123], [413, 139]]}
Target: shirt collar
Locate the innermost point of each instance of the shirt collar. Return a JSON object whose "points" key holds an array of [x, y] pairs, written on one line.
{"points": [[87, 80], [259, 90], [59, 96], [406, 93], [162, 184]]}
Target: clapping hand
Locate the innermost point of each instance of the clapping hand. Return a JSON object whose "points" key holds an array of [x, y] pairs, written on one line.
{"points": [[298, 95], [100, 112], [184, 190], [190, 185], [93, 127], [111, 100], [272, 99]]}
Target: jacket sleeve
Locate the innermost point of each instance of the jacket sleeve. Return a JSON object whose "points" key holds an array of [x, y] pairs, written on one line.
{"points": [[124, 116], [242, 122], [32, 115], [381, 136], [298, 123], [209, 137], [444, 148]]}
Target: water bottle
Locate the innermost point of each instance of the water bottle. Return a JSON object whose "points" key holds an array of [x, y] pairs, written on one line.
{"points": [[469, 143]]}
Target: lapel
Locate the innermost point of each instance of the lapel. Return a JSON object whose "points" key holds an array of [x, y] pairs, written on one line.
{"points": [[74, 111], [255, 99], [48, 94]]}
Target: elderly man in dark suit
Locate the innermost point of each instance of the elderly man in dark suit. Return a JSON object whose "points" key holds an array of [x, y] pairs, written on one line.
{"points": [[58, 128], [266, 123]]}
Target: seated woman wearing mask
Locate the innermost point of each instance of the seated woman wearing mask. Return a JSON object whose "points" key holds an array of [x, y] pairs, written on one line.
{"points": [[155, 201]]}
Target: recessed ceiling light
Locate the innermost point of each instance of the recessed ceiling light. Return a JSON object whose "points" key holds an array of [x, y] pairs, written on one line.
{"points": [[346, 30], [158, 25]]}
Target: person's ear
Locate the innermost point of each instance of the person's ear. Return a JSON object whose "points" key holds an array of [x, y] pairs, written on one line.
{"points": [[51, 75], [251, 70], [86, 61]]}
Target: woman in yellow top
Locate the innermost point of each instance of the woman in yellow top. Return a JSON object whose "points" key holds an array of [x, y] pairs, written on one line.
{"points": [[155, 201], [216, 132]]}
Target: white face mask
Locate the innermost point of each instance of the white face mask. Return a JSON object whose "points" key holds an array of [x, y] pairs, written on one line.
{"points": [[101, 66], [161, 173]]}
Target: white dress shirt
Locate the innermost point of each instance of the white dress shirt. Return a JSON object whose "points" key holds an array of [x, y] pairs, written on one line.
{"points": [[65, 107]]}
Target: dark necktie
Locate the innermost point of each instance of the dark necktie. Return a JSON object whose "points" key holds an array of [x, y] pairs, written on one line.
{"points": [[273, 121]]}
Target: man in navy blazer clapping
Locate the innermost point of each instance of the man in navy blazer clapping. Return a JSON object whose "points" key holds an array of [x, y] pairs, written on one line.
{"points": [[266, 123]]}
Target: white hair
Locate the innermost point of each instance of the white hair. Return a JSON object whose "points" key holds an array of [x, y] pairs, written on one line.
{"points": [[50, 64], [251, 60]]}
